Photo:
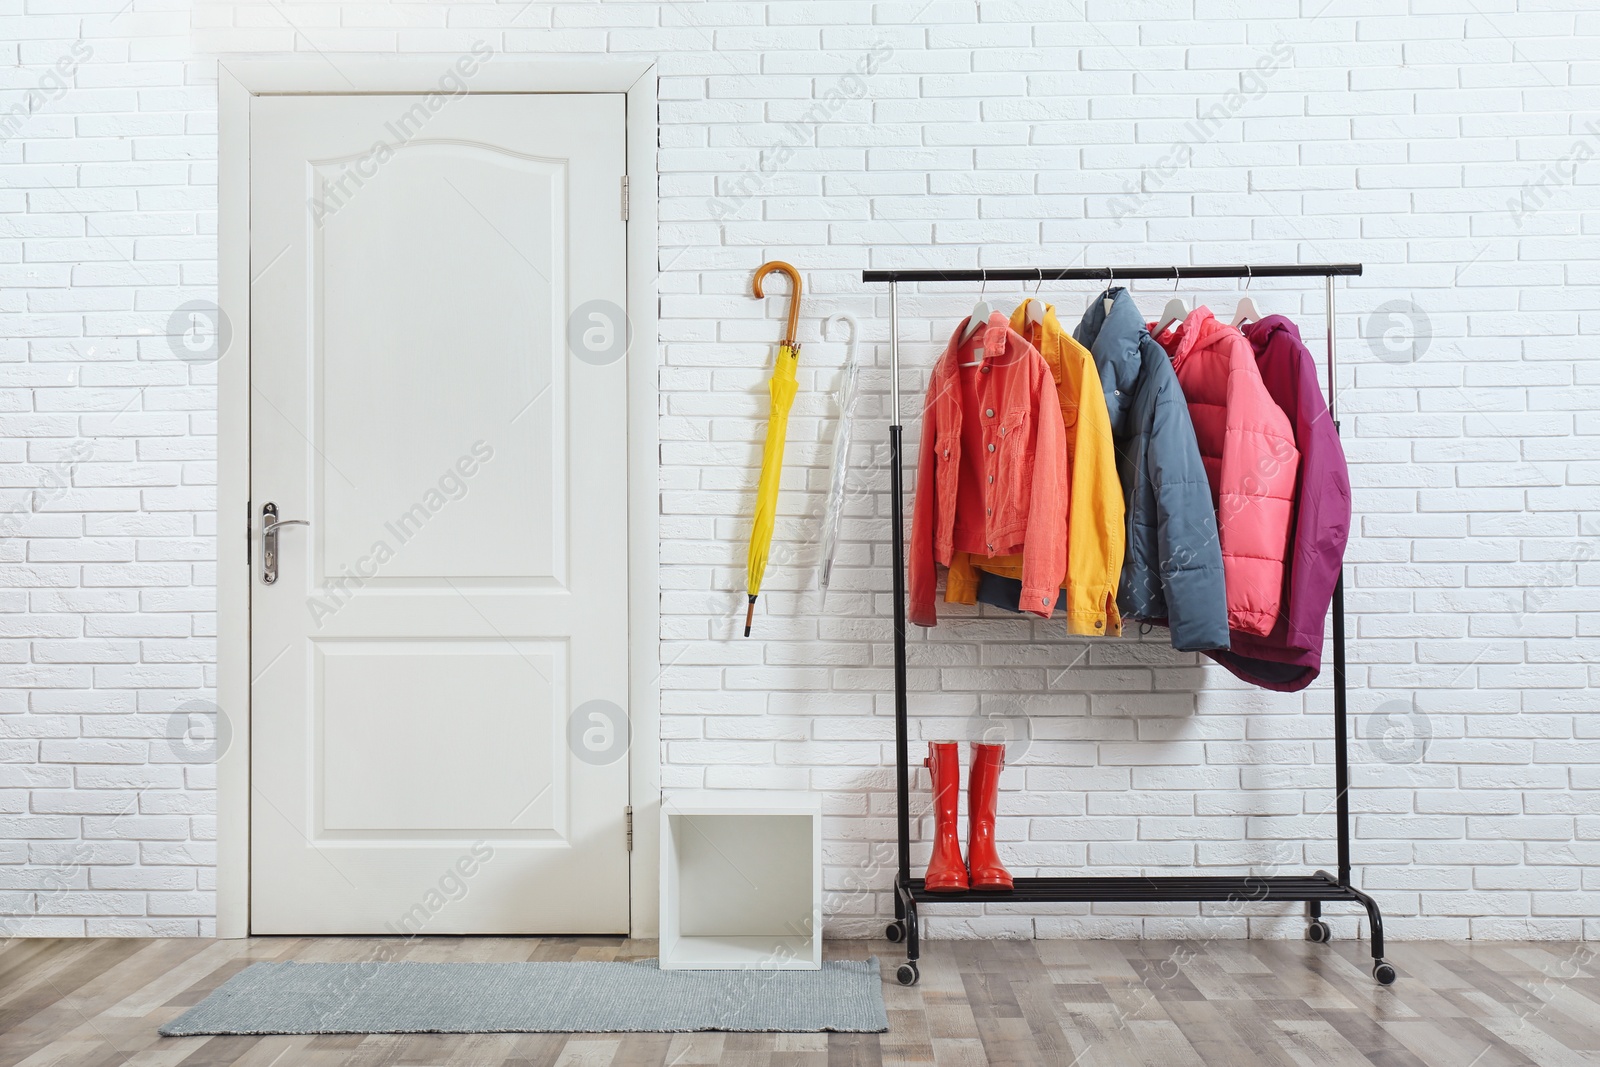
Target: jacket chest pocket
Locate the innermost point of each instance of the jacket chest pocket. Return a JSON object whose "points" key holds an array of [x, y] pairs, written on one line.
{"points": [[1016, 464], [1069, 423]]}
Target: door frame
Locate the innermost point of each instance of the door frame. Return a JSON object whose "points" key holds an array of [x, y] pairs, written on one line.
{"points": [[237, 81]]}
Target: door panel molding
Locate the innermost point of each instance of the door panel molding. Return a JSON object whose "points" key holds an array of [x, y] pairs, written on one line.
{"points": [[341, 74]]}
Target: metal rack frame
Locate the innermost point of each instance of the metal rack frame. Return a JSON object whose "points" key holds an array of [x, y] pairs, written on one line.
{"points": [[1314, 889]]}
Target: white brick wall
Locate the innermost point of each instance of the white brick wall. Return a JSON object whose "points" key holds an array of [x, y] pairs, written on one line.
{"points": [[1445, 149]]}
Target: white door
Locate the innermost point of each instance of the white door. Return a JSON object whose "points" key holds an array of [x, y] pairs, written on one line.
{"points": [[439, 671]]}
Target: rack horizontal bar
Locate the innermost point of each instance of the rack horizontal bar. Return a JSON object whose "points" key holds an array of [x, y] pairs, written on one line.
{"points": [[1085, 274], [1241, 888]]}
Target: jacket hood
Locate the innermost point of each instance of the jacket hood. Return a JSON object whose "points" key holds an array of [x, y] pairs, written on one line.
{"points": [[1200, 329], [1114, 337], [1258, 332]]}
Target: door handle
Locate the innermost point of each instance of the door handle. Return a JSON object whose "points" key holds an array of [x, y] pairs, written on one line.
{"points": [[269, 540]]}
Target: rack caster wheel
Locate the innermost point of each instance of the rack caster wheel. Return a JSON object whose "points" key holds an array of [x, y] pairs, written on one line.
{"points": [[1319, 933], [1383, 972], [908, 975], [895, 931]]}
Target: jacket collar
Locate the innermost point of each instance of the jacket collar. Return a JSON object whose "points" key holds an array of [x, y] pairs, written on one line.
{"points": [[1116, 339], [1095, 316], [996, 338], [1051, 337]]}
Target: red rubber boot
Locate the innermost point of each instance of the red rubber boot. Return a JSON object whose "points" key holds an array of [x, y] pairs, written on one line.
{"points": [[946, 872], [983, 798]]}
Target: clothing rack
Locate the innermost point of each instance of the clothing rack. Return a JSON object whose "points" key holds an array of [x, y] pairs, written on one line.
{"points": [[1314, 889]]}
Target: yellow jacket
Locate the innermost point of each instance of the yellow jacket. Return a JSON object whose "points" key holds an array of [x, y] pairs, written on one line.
{"points": [[1095, 534]]}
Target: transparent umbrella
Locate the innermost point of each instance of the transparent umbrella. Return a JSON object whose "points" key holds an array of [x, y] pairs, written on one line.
{"points": [[845, 402]]}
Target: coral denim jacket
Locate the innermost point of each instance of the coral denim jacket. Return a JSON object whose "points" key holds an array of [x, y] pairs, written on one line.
{"points": [[1095, 531], [992, 470]]}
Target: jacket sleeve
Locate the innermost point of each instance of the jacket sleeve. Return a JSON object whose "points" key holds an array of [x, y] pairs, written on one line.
{"points": [[1044, 553], [1322, 526], [1186, 527], [920, 566], [1095, 534]]}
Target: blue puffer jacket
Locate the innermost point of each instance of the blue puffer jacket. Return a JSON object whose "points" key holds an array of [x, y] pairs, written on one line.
{"points": [[1172, 571]]}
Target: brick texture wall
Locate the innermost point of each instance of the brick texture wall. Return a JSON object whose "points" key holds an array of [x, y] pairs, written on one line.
{"points": [[1449, 150]]}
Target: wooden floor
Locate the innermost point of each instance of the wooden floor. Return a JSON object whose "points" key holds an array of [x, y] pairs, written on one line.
{"points": [[86, 1003]]}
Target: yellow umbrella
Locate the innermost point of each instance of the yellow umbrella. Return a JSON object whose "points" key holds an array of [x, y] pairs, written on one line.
{"points": [[782, 387]]}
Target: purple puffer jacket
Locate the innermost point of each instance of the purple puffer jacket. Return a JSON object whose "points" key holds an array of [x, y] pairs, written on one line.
{"points": [[1290, 657]]}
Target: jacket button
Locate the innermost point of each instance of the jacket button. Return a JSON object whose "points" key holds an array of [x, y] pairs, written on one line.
{"points": [[988, 511], [1098, 624], [991, 479], [1044, 600], [990, 413], [991, 447]]}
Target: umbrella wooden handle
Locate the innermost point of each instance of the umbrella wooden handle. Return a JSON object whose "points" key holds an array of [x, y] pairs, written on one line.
{"points": [[794, 299]]}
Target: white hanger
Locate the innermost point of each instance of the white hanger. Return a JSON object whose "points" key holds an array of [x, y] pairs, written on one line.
{"points": [[1176, 310], [1035, 312], [1247, 310], [1111, 279], [978, 318]]}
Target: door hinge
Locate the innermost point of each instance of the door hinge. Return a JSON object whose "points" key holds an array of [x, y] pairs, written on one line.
{"points": [[624, 198], [627, 820]]}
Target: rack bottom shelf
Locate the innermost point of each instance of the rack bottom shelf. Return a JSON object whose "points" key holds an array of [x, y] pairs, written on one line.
{"points": [[1311, 889], [1243, 888]]}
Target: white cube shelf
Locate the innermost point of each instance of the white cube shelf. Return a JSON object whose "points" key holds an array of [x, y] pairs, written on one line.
{"points": [[741, 881]]}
